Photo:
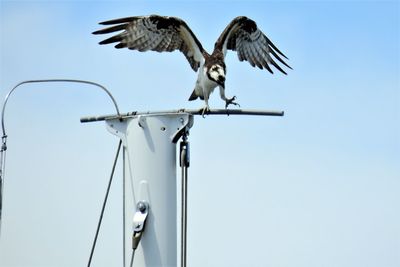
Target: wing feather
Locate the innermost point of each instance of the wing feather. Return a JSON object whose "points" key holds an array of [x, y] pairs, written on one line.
{"points": [[260, 57], [240, 55], [257, 56], [248, 56], [279, 58], [253, 56], [159, 44], [243, 35], [155, 33]]}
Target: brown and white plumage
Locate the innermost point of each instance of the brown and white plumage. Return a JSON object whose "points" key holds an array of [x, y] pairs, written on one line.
{"points": [[166, 34], [243, 35], [156, 33]]}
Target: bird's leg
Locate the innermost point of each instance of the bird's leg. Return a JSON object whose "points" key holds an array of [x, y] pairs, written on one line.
{"points": [[228, 101], [206, 108]]}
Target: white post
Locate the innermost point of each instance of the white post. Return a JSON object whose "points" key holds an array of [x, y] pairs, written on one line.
{"points": [[150, 175]]}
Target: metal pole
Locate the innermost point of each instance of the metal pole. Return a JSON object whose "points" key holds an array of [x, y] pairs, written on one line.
{"points": [[150, 176]]}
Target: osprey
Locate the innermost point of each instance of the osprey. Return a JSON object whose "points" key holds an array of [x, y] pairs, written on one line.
{"points": [[166, 34]]}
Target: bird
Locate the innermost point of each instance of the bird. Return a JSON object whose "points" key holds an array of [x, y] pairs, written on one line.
{"points": [[167, 34]]}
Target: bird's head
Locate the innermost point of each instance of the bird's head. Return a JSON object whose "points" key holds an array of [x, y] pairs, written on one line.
{"points": [[216, 73]]}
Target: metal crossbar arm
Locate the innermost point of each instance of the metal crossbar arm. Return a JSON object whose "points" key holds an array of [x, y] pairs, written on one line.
{"points": [[253, 112]]}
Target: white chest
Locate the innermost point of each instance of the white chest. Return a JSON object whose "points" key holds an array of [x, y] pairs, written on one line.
{"points": [[205, 83]]}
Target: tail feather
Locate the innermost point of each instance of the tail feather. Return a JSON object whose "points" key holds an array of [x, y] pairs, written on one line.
{"points": [[193, 96]]}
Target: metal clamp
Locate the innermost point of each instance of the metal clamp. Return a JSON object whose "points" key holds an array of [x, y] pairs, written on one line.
{"points": [[184, 160], [139, 220], [4, 143]]}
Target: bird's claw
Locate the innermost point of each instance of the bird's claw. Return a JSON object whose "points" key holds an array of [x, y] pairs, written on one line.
{"points": [[230, 102], [205, 110]]}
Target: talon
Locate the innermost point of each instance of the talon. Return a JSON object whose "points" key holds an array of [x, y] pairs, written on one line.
{"points": [[230, 102], [206, 109]]}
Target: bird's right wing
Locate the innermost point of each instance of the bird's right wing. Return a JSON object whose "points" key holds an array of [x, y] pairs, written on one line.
{"points": [[156, 33]]}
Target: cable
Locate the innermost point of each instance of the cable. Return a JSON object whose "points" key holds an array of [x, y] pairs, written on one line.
{"points": [[4, 136], [132, 257], [2, 170], [104, 205], [123, 208], [184, 162], [54, 80]]}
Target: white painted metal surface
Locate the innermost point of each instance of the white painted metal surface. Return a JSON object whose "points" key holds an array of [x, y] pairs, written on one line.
{"points": [[150, 175]]}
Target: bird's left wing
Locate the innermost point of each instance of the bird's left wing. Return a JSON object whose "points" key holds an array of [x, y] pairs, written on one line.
{"points": [[243, 35], [156, 33]]}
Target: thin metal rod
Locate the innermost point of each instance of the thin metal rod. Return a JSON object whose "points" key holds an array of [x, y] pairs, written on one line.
{"points": [[132, 258], [53, 80], [253, 112], [123, 206], [184, 203], [104, 205], [184, 218]]}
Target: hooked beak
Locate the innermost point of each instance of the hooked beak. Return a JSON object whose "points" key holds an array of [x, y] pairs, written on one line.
{"points": [[221, 81]]}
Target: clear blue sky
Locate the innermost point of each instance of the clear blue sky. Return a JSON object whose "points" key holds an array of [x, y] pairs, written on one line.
{"points": [[320, 186]]}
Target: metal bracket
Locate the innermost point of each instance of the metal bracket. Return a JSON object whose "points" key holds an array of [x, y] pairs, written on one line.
{"points": [[141, 121], [186, 123], [118, 128], [139, 220]]}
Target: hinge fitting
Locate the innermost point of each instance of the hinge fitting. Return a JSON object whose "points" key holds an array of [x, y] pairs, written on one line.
{"points": [[139, 220]]}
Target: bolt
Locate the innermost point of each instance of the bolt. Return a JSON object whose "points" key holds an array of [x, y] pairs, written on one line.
{"points": [[141, 207]]}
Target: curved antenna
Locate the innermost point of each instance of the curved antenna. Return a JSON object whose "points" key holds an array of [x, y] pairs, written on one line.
{"points": [[53, 80], [3, 147]]}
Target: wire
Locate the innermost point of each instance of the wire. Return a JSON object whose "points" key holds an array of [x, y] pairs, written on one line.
{"points": [[132, 258], [2, 171], [184, 165], [123, 208], [4, 137], [104, 205], [54, 80]]}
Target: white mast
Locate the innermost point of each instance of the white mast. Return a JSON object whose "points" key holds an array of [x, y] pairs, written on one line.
{"points": [[149, 143]]}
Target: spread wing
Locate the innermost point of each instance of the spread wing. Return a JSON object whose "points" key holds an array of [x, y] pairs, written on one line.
{"points": [[156, 33], [243, 35]]}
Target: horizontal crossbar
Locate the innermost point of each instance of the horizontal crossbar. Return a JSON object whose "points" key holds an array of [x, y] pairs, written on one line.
{"points": [[251, 112]]}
